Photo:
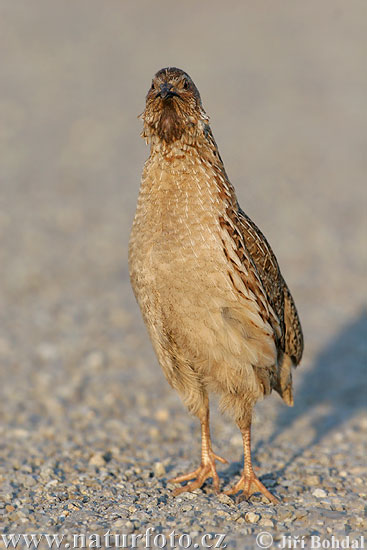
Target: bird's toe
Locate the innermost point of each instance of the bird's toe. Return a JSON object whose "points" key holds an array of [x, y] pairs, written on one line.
{"points": [[250, 484], [206, 470]]}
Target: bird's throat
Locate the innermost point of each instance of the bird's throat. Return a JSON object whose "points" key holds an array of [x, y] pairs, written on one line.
{"points": [[170, 127]]}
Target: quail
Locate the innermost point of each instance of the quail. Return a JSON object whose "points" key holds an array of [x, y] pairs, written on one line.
{"points": [[218, 311]]}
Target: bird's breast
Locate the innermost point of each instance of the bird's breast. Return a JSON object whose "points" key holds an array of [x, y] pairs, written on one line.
{"points": [[176, 254], [177, 217]]}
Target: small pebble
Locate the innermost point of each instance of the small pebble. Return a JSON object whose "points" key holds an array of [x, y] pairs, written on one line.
{"points": [[162, 415], [95, 360], [225, 499], [312, 480], [97, 460], [319, 493], [251, 517], [159, 469], [266, 523]]}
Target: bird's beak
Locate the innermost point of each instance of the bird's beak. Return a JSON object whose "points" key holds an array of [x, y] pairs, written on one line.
{"points": [[167, 91]]}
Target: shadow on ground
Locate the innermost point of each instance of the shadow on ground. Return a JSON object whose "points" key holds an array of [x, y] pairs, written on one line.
{"points": [[337, 382]]}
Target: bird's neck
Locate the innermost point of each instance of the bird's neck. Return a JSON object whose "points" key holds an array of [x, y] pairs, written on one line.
{"points": [[179, 148], [175, 171]]}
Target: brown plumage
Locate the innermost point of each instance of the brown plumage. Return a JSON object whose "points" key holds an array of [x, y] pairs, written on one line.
{"points": [[218, 311]]}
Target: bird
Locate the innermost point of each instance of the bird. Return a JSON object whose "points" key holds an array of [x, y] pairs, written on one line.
{"points": [[219, 314]]}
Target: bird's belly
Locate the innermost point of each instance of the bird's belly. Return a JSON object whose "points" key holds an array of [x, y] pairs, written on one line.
{"points": [[188, 301], [176, 278]]}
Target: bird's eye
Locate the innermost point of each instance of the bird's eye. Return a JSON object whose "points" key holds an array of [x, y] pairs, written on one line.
{"points": [[186, 85], [152, 86]]}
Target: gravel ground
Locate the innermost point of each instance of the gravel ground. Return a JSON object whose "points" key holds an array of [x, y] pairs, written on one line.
{"points": [[90, 430]]}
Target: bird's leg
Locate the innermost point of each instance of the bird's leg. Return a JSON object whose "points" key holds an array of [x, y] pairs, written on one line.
{"points": [[249, 483], [208, 458]]}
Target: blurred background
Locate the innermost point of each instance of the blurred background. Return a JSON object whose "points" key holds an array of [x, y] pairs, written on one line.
{"points": [[285, 86]]}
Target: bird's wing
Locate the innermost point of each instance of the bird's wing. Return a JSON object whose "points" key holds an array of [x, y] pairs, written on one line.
{"points": [[283, 313], [293, 344], [238, 255], [278, 294]]}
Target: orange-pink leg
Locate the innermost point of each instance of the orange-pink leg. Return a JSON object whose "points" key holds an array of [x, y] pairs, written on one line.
{"points": [[207, 467], [248, 482]]}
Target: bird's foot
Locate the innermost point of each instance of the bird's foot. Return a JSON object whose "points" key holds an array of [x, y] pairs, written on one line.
{"points": [[250, 484], [206, 469]]}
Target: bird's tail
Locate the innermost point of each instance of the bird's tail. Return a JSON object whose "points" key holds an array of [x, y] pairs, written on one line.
{"points": [[284, 383]]}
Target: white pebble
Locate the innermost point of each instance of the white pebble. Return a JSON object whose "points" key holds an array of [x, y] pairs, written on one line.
{"points": [[319, 493]]}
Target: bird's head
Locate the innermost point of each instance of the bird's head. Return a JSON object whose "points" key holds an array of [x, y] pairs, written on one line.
{"points": [[173, 107]]}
